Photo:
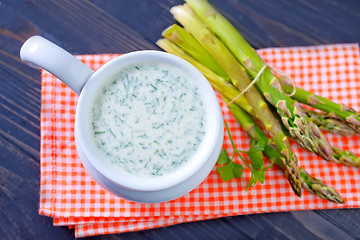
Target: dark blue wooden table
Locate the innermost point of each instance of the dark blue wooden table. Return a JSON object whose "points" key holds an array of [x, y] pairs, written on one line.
{"points": [[119, 26]]}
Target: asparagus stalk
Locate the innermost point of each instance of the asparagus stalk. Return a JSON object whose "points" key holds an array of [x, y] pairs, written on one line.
{"points": [[330, 124], [298, 124], [309, 183], [334, 110], [241, 80]]}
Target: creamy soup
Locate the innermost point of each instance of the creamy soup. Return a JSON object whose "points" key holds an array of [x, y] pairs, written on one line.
{"points": [[149, 119]]}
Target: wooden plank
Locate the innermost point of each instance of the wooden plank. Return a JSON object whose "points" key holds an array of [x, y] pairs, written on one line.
{"points": [[256, 227], [136, 14], [285, 223], [317, 225], [15, 26], [209, 229], [292, 23], [347, 220], [95, 31], [19, 198]]}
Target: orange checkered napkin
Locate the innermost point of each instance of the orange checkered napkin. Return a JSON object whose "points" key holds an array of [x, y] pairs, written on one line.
{"points": [[71, 197]]}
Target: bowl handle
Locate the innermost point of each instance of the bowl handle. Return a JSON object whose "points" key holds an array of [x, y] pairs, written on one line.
{"points": [[39, 52]]}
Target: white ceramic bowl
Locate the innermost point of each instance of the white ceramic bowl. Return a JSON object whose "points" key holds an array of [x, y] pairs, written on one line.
{"points": [[38, 51]]}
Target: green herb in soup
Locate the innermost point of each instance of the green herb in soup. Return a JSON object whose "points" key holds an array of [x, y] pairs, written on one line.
{"points": [[149, 119]]}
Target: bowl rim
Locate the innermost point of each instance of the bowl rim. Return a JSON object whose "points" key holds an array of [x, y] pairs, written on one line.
{"points": [[121, 178]]}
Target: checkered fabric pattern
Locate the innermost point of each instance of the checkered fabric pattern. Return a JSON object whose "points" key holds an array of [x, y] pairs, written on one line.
{"points": [[72, 198]]}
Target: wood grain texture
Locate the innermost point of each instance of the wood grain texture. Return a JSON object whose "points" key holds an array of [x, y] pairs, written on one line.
{"points": [[118, 26]]}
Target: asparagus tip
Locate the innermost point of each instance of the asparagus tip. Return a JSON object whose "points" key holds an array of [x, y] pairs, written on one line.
{"points": [[163, 33], [317, 187]]}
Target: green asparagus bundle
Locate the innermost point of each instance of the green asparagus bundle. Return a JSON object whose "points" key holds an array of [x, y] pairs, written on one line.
{"points": [[240, 79], [226, 89], [298, 124], [309, 183], [228, 67]]}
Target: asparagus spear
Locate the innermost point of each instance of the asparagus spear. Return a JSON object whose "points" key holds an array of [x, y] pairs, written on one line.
{"points": [[317, 187], [298, 124], [241, 80], [345, 157], [335, 110], [309, 183], [330, 124]]}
